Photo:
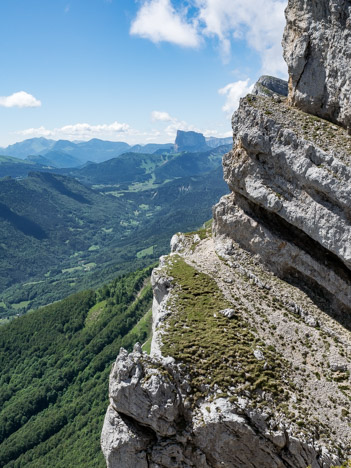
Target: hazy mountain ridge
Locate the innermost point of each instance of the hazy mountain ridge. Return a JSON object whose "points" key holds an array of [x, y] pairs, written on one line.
{"points": [[96, 150]]}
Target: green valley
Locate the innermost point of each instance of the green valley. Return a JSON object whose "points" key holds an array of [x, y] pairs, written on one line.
{"points": [[72, 229]]}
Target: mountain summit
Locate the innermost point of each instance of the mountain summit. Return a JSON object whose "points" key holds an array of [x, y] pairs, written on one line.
{"points": [[190, 141]]}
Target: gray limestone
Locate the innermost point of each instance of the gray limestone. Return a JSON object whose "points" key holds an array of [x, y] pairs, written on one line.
{"points": [[290, 201], [317, 49], [270, 86]]}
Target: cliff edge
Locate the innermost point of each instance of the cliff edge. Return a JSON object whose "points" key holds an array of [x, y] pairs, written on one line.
{"points": [[251, 350], [246, 370]]}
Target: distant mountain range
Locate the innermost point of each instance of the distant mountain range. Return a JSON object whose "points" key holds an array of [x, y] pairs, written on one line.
{"points": [[67, 154]]}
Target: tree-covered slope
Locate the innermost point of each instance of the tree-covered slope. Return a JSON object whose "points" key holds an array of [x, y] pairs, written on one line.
{"points": [[45, 219], [59, 236], [125, 169], [54, 373], [130, 168], [14, 167]]}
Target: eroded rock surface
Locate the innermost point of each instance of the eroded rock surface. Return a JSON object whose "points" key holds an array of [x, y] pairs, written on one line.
{"points": [[270, 86], [317, 49], [291, 197]]}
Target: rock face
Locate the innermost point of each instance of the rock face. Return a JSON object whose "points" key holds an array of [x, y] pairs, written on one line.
{"points": [[317, 49], [269, 85], [291, 197], [242, 391], [190, 141]]}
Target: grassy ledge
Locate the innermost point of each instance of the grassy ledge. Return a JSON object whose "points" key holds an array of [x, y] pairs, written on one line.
{"points": [[219, 352]]}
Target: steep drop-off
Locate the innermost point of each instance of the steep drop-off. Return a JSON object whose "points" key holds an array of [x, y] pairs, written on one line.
{"points": [[251, 351]]}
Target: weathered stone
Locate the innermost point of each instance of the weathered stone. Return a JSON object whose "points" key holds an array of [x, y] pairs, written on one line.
{"points": [[259, 355], [269, 85], [141, 393], [229, 313], [290, 201], [338, 366], [123, 443], [317, 49]]}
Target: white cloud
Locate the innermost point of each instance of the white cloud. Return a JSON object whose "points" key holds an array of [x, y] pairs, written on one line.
{"points": [[161, 116], [120, 132], [171, 129], [233, 92], [258, 22], [217, 133], [174, 123], [80, 131], [158, 21], [20, 99]]}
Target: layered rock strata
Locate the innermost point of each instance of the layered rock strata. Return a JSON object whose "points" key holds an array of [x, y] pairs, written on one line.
{"points": [[269, 86], [291, 198], [317, 49]]}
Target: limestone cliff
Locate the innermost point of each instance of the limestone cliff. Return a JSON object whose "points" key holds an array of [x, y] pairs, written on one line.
{"points": [[290, 174], [317, 49], [251, 350]]}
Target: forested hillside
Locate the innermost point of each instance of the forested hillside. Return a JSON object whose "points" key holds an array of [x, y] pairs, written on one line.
{"points": [[55, 364], [59, 236]]}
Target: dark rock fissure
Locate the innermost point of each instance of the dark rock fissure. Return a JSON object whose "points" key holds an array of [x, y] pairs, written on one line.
{"points": [[320, 296], [136, 427], [307, 55]]}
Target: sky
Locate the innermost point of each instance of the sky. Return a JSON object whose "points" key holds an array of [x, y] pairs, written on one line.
{"points": [[132, 70]]}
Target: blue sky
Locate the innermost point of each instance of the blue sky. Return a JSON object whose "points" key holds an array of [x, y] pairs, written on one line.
{"points": [[131, 71]]}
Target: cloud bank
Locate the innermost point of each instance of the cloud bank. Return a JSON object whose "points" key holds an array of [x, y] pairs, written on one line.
{"points": [[80, 131], [20, 99], [233, 92], [157, 116], [173, 124]]}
